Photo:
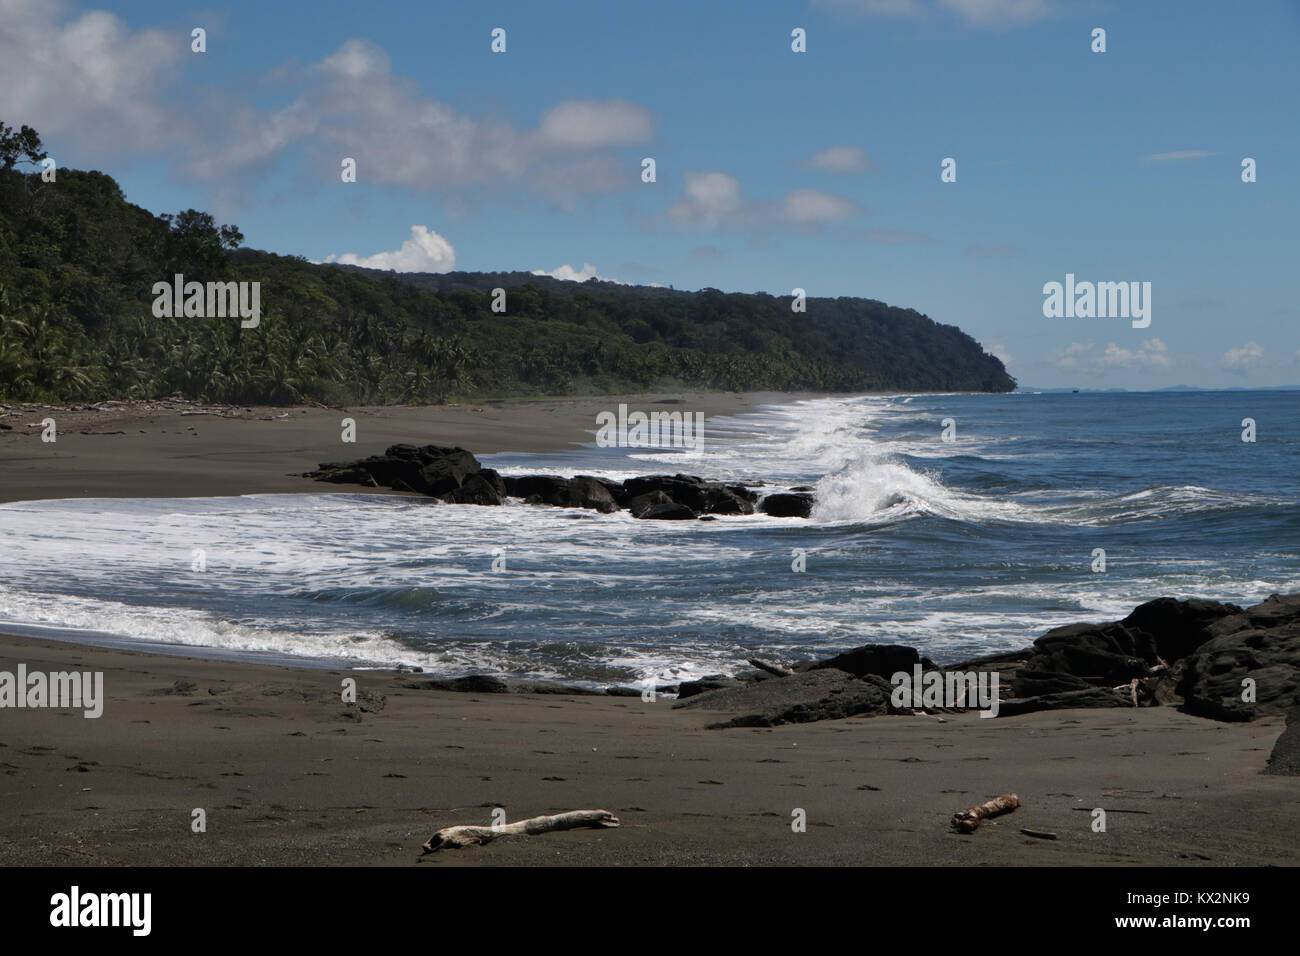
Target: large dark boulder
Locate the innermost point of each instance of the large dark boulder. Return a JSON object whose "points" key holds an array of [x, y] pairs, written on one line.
{"points": [[477, 490], [588, 492], [672, 511], [427, 469], [550, 489], [1261, 644], [645, 500], [815, 695], [583, 491], [1178, 627], [1102, 655], [442, 470], [705, 497], [782, 505], [880, 660]]}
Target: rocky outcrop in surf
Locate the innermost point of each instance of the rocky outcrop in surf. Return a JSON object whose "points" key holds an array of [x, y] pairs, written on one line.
{"points": [[1206, 658], [455, 476]]}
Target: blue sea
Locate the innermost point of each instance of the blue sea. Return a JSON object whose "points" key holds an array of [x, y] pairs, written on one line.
{"points": [[957, 547]]}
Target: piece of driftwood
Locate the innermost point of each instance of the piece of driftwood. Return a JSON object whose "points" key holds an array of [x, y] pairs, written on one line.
{"points": [[776, 669], [452, 837], [967, 820]]}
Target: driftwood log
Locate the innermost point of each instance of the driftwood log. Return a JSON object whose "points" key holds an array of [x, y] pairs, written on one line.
{"points": [[452, 837], [967, 820]]}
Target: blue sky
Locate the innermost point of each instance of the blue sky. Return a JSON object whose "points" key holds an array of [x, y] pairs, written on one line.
{"points": [[775, 169]]}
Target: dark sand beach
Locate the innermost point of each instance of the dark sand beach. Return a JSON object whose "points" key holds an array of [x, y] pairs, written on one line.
{"points": [[191, 450], [289, 775]]}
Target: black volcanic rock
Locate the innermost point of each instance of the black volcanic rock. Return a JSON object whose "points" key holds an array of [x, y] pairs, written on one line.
{"points": [[1261, 644], [477, 490], [801, 698], [783, 505], [671, 511], [583, 491], [1178, 627], [705, 497], [435, 470], [454, 475], [643, 501], [1101, 655], [880, 660]]}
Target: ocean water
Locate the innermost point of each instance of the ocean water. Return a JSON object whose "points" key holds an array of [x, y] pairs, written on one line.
{"points": [[956, 547]]}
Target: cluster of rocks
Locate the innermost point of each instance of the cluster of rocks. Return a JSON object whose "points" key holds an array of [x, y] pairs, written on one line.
{"points": [[455, 476], [1210, 659]]}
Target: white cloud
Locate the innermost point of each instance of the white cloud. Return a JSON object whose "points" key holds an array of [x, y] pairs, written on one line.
{"points": [[711, 200], [1073, 355], [980, 13], [841, 159], [1150, 354], [591, 124], [877, 8], [812, 206], [103, 88], [425, 251], [1000, 352], [1243, 357], [89, 79], [986, 13]]}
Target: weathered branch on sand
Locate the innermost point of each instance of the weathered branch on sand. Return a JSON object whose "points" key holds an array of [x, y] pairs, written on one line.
{"points": [[453, 837], [967, 820]]}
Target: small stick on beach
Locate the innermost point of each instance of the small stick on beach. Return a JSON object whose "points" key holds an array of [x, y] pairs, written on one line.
{"points": [[452, 837], [967, 820]]}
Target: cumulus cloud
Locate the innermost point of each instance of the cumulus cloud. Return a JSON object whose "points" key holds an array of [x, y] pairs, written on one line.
{"points": [[841, 159], [591, 124], [987, 13], [88, 78], [103, 88], [425, 251], [711, 200], [1001, 353], [1151, 354], [979, 13], [570, 274], [1243, 357]]}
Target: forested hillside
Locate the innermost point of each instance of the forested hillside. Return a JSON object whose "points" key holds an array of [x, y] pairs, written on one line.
{"points": [[78, 263]]}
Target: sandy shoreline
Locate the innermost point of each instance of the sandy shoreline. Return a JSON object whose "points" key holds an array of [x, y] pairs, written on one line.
{"points": [[288, 774], [201, 451]]}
